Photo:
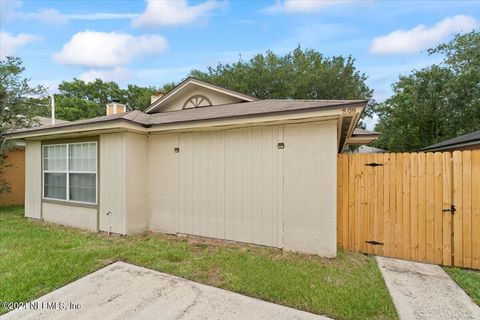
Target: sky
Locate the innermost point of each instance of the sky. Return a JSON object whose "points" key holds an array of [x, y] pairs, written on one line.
{"points": [[149, 43]]}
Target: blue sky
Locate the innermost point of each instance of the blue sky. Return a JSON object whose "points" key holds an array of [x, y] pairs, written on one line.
{"points": [[153, 42]]}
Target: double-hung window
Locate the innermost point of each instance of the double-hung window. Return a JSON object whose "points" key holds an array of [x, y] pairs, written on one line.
{"points": [[70, 172]]}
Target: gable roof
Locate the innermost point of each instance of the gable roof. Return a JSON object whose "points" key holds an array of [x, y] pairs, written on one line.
{"points": [[160, 103], [460, 141]]}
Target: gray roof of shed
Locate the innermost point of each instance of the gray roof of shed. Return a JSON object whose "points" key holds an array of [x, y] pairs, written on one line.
{"points": [[466, 138]]}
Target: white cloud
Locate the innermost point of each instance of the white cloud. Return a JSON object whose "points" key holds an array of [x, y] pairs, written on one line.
{"points": [[102, 49], [10, 44], [47, 16], [116, 74], [305, 6], [421, 37], [53, 16], [163, 13], [101, 16]]}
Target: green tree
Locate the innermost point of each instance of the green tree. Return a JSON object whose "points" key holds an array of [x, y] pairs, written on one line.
{"points": [[435, 103], [19, 104], [301, 74], [78, 99]]}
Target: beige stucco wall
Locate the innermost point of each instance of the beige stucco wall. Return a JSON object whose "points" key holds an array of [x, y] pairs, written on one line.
{"points": [[136, 158], [68, 215], [310, 188], [33, 179], [214, 97], [162, 183], [140, 184], [112, 171]]}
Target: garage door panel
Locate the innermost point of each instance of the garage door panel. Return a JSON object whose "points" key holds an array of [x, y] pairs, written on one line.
{"points": [[234, 190]]}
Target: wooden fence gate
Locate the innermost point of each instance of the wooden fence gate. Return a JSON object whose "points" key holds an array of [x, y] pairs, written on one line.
{"points": [[417, 206]]}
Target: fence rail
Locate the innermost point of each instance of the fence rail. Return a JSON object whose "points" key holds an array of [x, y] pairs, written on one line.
{"points": [[417, 206]]}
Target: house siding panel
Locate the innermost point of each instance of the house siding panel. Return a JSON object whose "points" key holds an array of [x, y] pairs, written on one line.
{"points": [[229, 182], [136, 181], [33, 179], [112, 196], [162, 183]]}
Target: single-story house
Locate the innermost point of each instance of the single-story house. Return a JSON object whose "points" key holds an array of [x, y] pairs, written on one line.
{"points": [[201, 160], [469, 141]]}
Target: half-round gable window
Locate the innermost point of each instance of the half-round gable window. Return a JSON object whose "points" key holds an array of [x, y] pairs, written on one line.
{"points": [[197, 101]]}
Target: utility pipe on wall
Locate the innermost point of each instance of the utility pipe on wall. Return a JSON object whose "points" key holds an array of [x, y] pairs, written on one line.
{"points": [[52, 104]]}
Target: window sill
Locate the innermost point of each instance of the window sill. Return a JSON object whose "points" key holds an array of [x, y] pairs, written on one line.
{"points": [[70, 204]]}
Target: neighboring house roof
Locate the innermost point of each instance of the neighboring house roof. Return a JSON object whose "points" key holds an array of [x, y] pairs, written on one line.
{"points": [[362, 136], [44, 121], [469, 139], [191, 81], [368, 149]]}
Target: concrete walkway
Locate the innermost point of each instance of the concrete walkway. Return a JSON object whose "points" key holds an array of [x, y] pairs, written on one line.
{"points": [[424, 291], [125, 291]]}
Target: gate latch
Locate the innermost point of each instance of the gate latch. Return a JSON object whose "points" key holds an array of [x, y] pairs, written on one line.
{"points": [[452, 209]]}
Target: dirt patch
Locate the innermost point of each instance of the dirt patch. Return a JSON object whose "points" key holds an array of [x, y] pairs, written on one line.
{"points": [[212, 277]]}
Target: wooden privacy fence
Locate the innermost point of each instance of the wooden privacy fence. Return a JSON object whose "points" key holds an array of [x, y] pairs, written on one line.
{"points": [[416, 206]]}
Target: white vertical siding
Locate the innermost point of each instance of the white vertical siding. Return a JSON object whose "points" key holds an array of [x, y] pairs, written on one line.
{"points": [[162, 183], [136, 182], [112, 197], [33, 179], [229, 184]]}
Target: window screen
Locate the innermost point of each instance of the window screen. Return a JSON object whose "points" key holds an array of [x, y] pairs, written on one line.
{"points": [[70, 172]]}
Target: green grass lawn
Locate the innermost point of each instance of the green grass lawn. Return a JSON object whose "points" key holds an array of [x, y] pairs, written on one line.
{"points": [[37, 258], [468, 280]]}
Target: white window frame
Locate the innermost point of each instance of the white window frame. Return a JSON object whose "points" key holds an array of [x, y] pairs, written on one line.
{"points": [[68, 171]]}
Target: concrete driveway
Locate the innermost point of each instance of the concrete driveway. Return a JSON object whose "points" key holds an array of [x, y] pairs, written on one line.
{"points": [[125, 291], [425, 292]]}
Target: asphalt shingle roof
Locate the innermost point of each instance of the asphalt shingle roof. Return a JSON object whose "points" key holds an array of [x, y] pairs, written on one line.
{"points": [[469, 137], [241, 109]]}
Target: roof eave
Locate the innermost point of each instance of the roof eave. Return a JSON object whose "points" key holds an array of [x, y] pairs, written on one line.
{"points": [[80, 128], [450, 146]]}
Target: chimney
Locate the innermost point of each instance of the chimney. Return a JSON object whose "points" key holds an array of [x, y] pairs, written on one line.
{"points": [[115, 107], [156, 96]]}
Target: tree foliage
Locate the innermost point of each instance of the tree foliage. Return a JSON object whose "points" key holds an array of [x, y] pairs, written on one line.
{"points": [[78, 99], [435, 103], [19, 104], [301, 74]]}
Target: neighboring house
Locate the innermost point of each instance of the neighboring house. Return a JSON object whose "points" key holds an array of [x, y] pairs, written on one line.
{"points": [[362, 137], [368, 149], [201, 160], [14, 170], [469, 141]]}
